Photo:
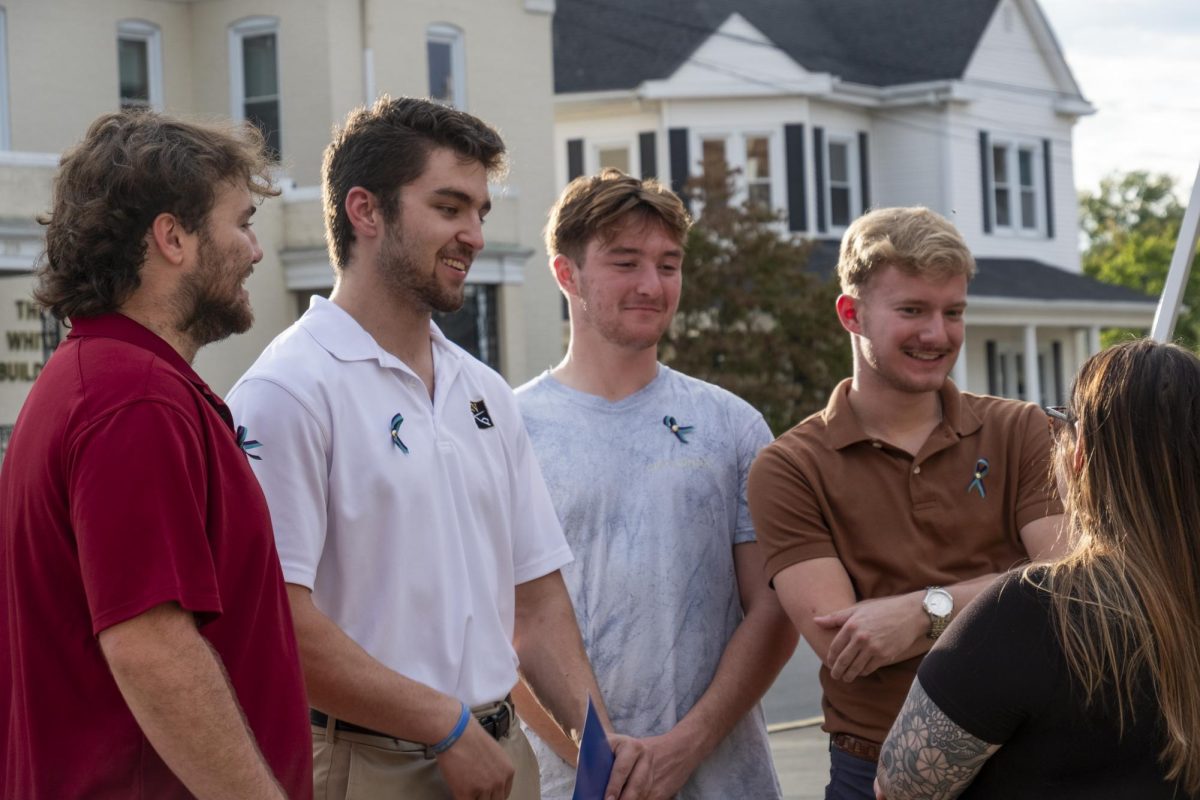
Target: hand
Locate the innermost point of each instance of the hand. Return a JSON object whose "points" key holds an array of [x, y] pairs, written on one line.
{"points": [[633, 770], [674, 762], [873, 633], [879, 795], [475, 768]]}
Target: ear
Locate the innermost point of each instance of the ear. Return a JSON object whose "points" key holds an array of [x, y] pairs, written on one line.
{"points": [[848, 309], [168, 236], [1077, 460], [564, 269], [364, 212]]}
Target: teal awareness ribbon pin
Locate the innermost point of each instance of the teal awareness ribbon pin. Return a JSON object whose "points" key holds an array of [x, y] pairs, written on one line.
{"points": [[396, 422], [981, 471], [680, 431], [247, 444]]}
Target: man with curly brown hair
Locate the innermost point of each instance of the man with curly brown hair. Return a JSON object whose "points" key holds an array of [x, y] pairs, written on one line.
{"points": [[151, 652]]}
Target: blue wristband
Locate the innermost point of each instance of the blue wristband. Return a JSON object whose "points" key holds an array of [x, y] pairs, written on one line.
{"points": [[454, 735]]}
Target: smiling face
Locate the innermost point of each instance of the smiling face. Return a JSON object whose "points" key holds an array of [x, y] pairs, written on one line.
{"points": [[907, 329], [212, 301], [627, 288], [428, 248]]}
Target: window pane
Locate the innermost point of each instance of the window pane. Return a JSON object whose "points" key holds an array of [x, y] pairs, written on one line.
{"points": [[759, 194], [758, 158], [1025, 165], [265, 115], [1003, 215], [133, 61], [615, 157], [714, 157], [259, 66], [839, 202], [839, 161], [1028, 209], [441, 77], [1000, 165], [474, 327]]}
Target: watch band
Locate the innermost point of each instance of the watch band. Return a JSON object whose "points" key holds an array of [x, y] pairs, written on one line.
{"points": [[937, 626]]}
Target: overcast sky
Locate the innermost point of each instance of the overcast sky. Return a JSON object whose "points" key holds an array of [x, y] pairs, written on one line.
{"points": [[1138, 62]]}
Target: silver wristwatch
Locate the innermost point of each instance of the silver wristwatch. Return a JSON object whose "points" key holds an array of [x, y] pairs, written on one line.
{"points": [[938, 605]]}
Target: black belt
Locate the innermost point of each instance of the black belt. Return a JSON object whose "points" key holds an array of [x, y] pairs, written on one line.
{"points": [[496, 723]]}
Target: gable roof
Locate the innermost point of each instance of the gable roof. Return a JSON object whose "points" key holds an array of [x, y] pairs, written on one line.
{"points": [[604, 45]]}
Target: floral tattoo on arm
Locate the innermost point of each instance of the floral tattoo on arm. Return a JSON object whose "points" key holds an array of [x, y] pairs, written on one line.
{"points": [[926, 755]]}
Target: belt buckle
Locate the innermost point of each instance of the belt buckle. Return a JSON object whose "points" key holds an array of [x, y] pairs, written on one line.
{"points": [[498, 722]]}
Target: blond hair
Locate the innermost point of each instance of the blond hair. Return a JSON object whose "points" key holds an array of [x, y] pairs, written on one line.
{"points": [[1126, 600], [599, 205], [914, 240]]}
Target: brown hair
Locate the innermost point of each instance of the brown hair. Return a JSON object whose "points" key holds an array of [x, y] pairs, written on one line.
{"points": [[597, 205], [385, 147], [130, 167], [1126, 600], [914, 240]]}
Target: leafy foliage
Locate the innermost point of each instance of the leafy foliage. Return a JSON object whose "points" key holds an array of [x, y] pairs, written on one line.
{"points": [[1131, 225], [752, 318]]}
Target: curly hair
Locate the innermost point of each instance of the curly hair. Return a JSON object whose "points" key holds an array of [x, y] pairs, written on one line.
{"points": [[386, 147], [914, 240], [598, 205], [130, 167]]}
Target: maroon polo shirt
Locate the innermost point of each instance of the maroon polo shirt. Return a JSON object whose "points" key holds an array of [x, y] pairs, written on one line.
{"points": [[125, 487]]}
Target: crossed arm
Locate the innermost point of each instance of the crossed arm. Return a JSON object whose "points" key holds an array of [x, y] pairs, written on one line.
{"points": [[757, 651], [856, 638], [926, 756]]}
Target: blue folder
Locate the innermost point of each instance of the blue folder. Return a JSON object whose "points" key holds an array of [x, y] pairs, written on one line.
{"points": [[595, 759]]}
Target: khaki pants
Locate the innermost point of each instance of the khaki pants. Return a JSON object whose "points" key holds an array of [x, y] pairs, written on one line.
{"points": [[357, 766]]}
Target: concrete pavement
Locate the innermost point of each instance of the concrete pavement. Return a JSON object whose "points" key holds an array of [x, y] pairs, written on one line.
{"points": [[802, 761]]}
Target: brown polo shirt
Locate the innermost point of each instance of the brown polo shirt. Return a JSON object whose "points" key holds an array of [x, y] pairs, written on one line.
{"points": [[900, 523]]}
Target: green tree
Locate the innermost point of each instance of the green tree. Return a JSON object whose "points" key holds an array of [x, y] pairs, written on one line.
{"points": [[752, 318], [1131, 225]]}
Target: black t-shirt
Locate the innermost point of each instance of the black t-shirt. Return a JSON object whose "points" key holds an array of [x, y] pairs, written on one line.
{"points": [[1000, 674]]}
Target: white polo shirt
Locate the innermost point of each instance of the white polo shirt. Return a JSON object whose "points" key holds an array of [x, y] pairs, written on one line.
{"points": [[411, 521]]}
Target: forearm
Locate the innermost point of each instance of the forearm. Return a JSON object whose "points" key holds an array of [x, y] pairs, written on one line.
{"points": [[177, 689], [345, 681], [541, 723]]}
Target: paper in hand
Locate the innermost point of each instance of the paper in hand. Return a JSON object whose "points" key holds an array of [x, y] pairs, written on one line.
{"points": [[595, 759]]}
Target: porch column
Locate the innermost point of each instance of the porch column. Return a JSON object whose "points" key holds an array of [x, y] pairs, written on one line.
{"points": [[959, 373], [1033, 386], [1093, 340]]}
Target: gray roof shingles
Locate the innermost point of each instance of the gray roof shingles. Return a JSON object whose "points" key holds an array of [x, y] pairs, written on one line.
{"points": [[602, 45]]}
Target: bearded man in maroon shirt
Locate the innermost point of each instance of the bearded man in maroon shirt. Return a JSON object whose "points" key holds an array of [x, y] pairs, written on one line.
{"points": [[149, 647]]}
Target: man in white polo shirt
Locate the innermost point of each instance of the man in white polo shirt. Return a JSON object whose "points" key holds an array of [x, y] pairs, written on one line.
{"points": [[418, 540]]}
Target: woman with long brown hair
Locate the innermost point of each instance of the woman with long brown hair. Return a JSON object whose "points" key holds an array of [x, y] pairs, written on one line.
{"points": [[1081, 678]]}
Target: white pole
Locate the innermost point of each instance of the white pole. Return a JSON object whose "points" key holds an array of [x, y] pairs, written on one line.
{"points": [[1181, 265], [1033, 378]]}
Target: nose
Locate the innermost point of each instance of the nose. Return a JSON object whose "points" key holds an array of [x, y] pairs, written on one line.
{"points": [[258, 251], [472, 235], [649, 282], [936, 331]]}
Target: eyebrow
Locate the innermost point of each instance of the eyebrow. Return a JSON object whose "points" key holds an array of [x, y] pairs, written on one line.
{"points": [[637, 251], [463, 198]]}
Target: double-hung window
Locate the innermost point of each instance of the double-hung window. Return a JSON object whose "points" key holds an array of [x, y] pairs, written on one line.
{"points": [[1015, 191], [751, 155], [843, 191], [139, 64], [254, 68], [447, 65]]}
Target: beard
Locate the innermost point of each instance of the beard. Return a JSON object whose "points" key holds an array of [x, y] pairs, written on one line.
{"points": [[209, 302], [408, 280]]}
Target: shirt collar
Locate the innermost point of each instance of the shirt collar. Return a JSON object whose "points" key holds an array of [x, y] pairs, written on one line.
{"points": [[346, 340], [123, 329], [842, 427]]}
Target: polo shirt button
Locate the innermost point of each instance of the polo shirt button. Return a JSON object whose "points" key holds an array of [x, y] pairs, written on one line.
{"points": [[916, 470], [876, 444]]}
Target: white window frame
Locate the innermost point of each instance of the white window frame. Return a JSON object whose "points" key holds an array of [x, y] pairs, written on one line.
{"points": [[5, 134], [853, 158], [452, 35], [592, 159], [238, 31], [149, 33], [735, 158], [1013, 146]]}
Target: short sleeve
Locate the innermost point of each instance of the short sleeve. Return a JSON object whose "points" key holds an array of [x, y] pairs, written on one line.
{"points": [[539, 546], [291, 465], [138, 503], [1036, 494], [786, 512], [994, 667], [755, 435]]}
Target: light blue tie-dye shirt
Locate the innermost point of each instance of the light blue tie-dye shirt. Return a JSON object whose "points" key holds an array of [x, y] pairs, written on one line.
{"points": [[652, 515]]}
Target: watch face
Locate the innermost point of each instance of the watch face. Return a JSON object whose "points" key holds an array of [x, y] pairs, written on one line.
{"points": [[940, 604]]}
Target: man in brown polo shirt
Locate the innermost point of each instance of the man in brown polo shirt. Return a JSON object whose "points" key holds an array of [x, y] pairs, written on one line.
{"points": [[887, 512]]}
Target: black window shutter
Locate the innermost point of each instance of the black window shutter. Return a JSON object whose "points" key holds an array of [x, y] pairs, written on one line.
{"points": [[993, 384], [819, 169], [864, 171], [574, 158], [648, 151], [793, 145], [1047, 168], [677, 144], [984, 181]]}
